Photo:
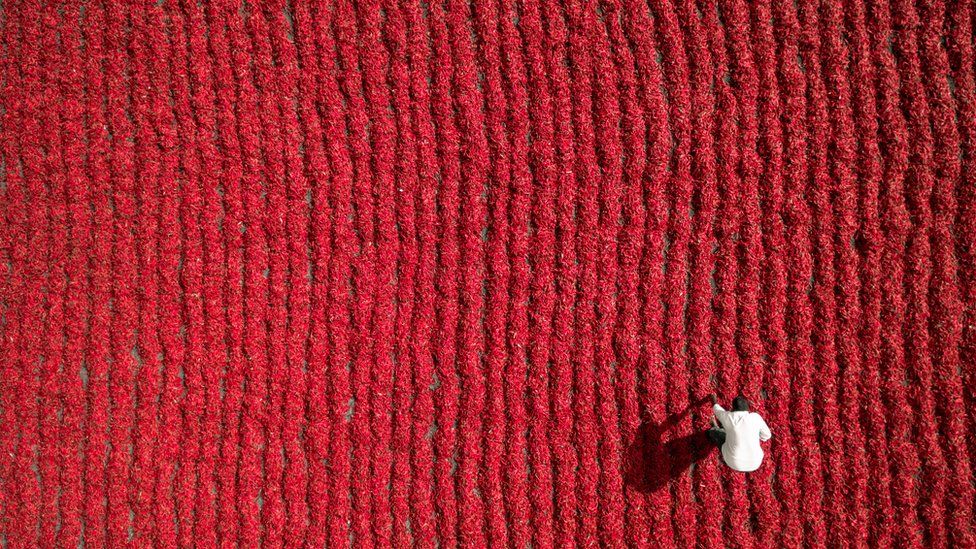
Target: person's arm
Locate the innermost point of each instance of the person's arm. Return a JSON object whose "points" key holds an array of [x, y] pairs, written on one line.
{"points": [[720, 413], [764, 432]]}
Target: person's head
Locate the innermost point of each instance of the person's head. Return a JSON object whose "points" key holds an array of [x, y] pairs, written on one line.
{"points": [[740, 404]]}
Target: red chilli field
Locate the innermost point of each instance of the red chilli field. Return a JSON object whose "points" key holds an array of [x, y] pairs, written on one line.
{"points": [[383, 273]]}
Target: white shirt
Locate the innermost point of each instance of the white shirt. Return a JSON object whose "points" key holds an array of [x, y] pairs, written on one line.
{"points": [[743, 433]]}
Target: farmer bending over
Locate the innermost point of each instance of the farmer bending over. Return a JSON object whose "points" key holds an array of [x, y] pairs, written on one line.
{"points": [[739, 433]]}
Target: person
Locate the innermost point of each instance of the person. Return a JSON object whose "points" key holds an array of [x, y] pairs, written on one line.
{"points": [[739, 433]]}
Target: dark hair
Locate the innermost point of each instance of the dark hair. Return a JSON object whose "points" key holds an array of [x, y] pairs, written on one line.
{"points": [[740, 404]]}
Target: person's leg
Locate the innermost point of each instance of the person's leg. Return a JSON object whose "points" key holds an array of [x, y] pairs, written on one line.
{"points": [[717, 436]]}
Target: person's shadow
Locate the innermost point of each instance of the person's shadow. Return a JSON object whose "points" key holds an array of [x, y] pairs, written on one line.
{"points": [[651, 462]]}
